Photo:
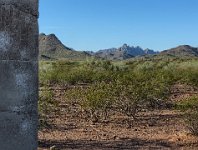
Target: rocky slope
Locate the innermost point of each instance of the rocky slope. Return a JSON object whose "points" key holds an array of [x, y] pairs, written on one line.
{"points": [[50, 47], [182, 51]]}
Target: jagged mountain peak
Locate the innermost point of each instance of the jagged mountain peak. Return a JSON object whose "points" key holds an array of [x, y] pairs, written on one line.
{"points": [[123, 52], [125, 45]]}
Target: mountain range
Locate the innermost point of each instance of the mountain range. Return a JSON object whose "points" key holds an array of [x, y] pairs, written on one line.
{"points": [[51, 48], [123, 52]]}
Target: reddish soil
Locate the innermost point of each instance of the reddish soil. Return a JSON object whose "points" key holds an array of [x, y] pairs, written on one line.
{"points": [[157, 129]]}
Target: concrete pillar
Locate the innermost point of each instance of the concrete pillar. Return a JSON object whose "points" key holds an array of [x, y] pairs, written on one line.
{"points": [[18, 74]]}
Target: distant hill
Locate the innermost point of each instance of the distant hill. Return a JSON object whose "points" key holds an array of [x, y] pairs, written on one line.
{"points": [[50, 47], [123, 52], [181, 51]]}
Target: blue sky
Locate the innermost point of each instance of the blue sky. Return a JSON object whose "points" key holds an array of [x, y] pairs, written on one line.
{"points": [[99, 24]]}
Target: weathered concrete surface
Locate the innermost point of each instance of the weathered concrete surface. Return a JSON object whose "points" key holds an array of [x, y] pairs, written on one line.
{"points": [[18, 74], [17, 85], [28, 6], [18, 34], [18, 131]]}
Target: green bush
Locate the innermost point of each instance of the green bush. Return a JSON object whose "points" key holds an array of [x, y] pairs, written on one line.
{"points": [[137, 91], [127, 94], [96, 100]]}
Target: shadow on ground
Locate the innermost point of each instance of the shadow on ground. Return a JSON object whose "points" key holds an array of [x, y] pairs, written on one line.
{"points": [[130, 144]]}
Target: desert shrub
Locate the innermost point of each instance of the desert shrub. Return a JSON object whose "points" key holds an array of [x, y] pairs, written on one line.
{"points": [[190, 107], [45, 69], [94, 100], [46, 106], [128, 94], [183, 71], [129, 98], [190, 103], [64, 72], [137, 91], [54, 71], [188, 72]]}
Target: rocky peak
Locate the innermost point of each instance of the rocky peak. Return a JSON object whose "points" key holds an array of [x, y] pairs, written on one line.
{"points": [[124, 46], [50, 47], [50, 43]]}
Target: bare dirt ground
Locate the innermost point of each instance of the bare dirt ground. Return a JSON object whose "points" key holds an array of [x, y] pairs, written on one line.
{"points": [[158, 129]]}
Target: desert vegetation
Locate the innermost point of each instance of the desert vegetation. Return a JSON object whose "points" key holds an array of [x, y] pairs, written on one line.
{"points": [[97, 89]]}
